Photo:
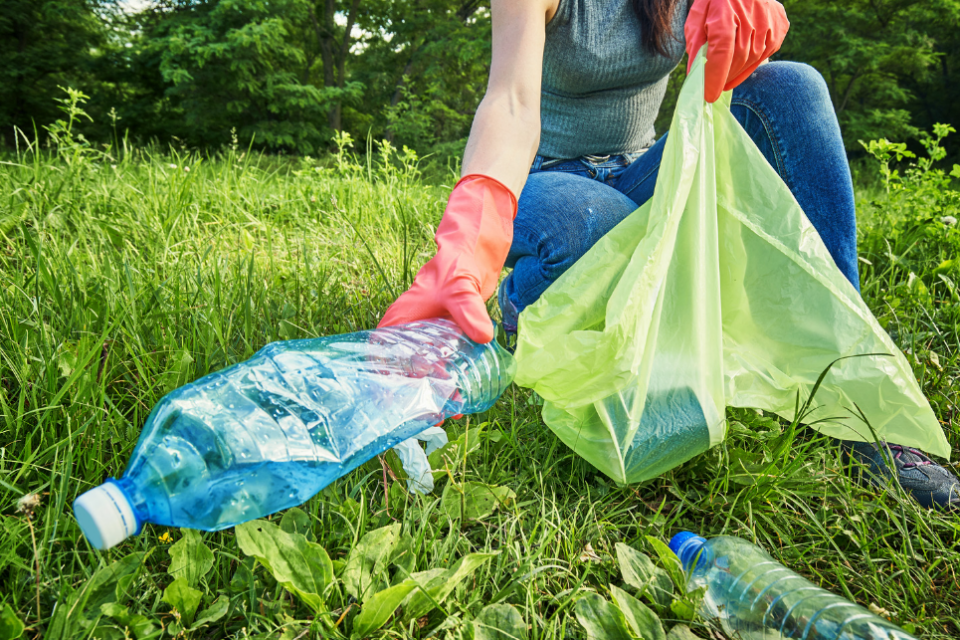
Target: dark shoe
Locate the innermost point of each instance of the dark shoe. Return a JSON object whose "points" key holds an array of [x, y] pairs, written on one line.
{"points": [[509, 316], [930, 484]]}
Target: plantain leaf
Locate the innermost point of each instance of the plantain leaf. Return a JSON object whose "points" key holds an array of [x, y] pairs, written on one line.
{"points": [[190, 558], [670, 562], [140, 626], [212, 613], [82, 607], [436, 585], [477, 500], [454, 451], [600, 619], [301, 566], [499, 622], [366, 569], [378, 609], [10, 625], [298, 521], [644, 623], [184, 598], [404, 557], [682, 632], [640, 573]]}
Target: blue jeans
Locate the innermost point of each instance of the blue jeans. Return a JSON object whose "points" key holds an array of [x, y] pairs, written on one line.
{"points": [[568, 205]]}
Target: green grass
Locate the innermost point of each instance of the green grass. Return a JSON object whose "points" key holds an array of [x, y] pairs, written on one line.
{"points": [[122, 279]]}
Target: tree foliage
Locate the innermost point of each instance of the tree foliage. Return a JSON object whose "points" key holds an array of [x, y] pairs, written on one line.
{"points": [[44, 44], [237, 65], [891, 65], [287, 74]]}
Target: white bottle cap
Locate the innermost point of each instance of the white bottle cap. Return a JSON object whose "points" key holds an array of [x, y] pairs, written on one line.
{"points": [[105, 516]]}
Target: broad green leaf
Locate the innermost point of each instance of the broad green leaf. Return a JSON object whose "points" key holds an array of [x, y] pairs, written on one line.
{"points": [[393, 461], [682, 632], [945, 267], [10, 625], [243, 579], [378, 609], [178, 371], [102, 586], [82, 607], [109, 632], [366, 570], [669, 561], [212, 613], [184, 598], [404, 557], [454, 451], [124, 588], [435, 587], [61, 626], [417, 602], [398, 497], [600, 619], [477, 500], [298, 521], [351, 510], [751, 474], [499, 622], [301, 566], [640, 573], [190, 558], [684, 609], [140, 626], [642, 621]]}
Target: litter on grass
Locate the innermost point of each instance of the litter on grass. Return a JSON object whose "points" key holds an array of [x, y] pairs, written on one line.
{"points": [[717, 292]]}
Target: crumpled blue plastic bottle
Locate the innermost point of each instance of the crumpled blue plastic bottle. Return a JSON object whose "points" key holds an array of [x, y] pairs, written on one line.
{"points": [[269, 433], [757, 598]]}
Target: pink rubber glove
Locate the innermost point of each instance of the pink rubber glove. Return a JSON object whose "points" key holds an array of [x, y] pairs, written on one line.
{"points": [[741, 34], [473, 239]]}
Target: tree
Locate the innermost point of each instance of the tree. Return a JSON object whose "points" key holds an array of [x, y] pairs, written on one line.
{"points": [[333, 44], [43, 44], [866, 51], [937, 93], [236, 64], [425, 69]]}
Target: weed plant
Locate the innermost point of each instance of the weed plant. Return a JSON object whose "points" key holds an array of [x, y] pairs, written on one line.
{"points": [[125, 273]]}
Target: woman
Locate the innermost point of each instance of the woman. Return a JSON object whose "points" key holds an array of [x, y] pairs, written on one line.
{"points": [[567, 124]]}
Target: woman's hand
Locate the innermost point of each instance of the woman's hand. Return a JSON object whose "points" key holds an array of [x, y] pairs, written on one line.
{"points": [[740, 33], [477, 227], [472, 244]]}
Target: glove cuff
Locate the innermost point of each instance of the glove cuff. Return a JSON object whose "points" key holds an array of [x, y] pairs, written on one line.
{"points": [[500, 190]]}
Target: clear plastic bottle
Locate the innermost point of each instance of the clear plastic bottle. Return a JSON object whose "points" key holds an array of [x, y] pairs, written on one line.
{"points": [[755, 597], [269, 433]]}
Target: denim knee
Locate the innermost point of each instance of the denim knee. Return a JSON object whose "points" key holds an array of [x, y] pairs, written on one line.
{"points": [[786, 109], [779, 100], [803, 79], [560, 215]]}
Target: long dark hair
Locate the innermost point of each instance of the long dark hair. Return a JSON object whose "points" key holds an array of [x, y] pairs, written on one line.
{"points": [[656, 22]]}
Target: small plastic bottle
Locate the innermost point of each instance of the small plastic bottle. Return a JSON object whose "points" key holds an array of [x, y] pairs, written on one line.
{"points": [[269, 433], [755, 597]]}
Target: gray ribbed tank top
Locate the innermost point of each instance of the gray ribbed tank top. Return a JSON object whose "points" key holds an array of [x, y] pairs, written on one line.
{"points": [[601, 89]]}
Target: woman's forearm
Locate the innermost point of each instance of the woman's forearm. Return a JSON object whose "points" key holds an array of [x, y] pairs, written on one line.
{"points": [[503, 140], [506, 129]]}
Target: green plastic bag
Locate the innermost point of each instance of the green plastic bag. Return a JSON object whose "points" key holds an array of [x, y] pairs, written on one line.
{"points": [[717, 292]]}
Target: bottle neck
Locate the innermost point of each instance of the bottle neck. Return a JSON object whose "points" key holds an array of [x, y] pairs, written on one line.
{"points": [[481, 372], [484, 371], [688, 547]]}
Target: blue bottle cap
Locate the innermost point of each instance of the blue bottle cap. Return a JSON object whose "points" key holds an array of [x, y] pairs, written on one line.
{"points": [[687, 546]]}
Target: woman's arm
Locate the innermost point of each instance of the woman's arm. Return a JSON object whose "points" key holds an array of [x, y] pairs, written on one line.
{"points": [[474, 236], [506, 129]]}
